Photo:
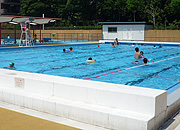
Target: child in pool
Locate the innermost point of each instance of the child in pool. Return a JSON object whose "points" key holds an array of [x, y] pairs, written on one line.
{"points": [[71, 49], [112, 45], [141, 52], [145, 60]]}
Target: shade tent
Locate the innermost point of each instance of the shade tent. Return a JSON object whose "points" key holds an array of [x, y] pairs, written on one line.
{"points": [[25, 19], [42, 21], [19, 20], [32, 20], [5, 19]]}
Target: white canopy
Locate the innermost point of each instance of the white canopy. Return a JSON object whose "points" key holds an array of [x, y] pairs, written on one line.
{"points": [[5, 19], [31, 20]]}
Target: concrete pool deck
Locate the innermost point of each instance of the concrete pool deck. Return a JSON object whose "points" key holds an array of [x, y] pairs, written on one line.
{"points": [[50, 44], [28, 119]]}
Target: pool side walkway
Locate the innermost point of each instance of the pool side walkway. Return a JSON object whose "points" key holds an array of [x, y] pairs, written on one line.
{"points": [[173, 123], [51, 44], [13, 117]]}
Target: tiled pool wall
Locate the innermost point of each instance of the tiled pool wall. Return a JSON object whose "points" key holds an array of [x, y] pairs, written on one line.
{"points": [[107, 105], [141, 42], [50, 43]]}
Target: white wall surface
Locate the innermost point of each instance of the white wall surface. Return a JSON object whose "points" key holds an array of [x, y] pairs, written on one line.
{"points": [[125, 32]]}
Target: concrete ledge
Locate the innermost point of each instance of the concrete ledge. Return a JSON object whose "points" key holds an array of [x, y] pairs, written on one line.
{"points": [[107, 105], [106, 117]]}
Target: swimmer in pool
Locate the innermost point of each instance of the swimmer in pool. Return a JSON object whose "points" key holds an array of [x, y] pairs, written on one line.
{"points": [[11, 65], [65, 50], [142, 56], [112, 45], [145, 61], [116, 42], [137, 55], [71, 49], [133, 45], [90, 60]]}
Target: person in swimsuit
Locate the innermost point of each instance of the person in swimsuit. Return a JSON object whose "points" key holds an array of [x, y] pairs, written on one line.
{"points": [[11, 65], [116, 42], [142, 56], [71, 49], [137, 55], [112, 45], [133, 45], [145, 61]]}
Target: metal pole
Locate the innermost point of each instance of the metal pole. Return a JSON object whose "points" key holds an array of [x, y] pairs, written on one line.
{"points": [[77, 36], [15, 33], [26, 33], [40, 33], [33, 31], [43, 27]]}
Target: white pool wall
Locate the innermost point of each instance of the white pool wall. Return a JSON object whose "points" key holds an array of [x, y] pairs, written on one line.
{"points": [[141, 42], [107, 105]]}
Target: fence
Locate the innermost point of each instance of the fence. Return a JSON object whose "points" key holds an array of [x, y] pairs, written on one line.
{"points": [[150, 35], [162, 35], [63, 37]]}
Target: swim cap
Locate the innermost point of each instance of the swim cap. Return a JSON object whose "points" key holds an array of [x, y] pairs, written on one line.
{"points": [[12, 64]]}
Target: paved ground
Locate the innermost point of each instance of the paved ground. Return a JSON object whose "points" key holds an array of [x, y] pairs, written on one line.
{"points": [[17, 118], [173, 123], [11, 120], [13, 117]]}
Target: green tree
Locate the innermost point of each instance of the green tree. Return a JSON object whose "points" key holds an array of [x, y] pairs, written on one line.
{"points": [[90, 12], [135, 6], [38, 7], [153, 10], [120, 10], [175, 6]]}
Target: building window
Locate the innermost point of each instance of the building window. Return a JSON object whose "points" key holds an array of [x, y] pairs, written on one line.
{"points": [[112, 29]]}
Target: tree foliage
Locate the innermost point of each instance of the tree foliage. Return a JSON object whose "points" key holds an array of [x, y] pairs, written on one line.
{"points": [[91, 12]]}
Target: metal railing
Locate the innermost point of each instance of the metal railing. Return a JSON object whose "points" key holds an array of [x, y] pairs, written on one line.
{"points": [[60, 37]]}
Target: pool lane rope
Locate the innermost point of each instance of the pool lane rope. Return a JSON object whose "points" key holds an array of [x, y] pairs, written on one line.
{"points": [[129, 68]]}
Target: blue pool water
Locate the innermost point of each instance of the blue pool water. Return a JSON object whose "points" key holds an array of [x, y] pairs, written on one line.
{"points": [[113, 65]]}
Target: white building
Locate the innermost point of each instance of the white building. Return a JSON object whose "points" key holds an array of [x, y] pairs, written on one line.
{"points": [[131, 31]]}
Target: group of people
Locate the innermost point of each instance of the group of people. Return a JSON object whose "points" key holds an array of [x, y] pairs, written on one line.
{"points": [[154, 46], [139, 56], [66, 50]]}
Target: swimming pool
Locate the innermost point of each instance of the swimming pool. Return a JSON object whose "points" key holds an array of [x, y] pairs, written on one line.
{"points": [[113, 65]]}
